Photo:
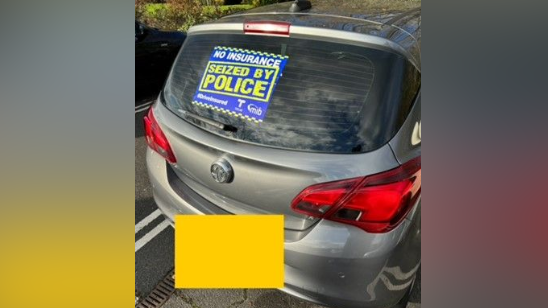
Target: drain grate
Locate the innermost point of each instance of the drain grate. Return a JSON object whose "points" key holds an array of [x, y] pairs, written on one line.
{"points": [[160, 294]]}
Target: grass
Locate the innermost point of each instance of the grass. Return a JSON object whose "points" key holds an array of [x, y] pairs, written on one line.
{"points": [[229, 8], [153, 8]]}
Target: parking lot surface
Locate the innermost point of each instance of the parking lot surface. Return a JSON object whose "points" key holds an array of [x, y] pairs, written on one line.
{"points": [[154, 240]]}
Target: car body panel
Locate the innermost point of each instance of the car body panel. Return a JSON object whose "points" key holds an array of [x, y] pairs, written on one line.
{"points": [[265, 179], [329, 263]]}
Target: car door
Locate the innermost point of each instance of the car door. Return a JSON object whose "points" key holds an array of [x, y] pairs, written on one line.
{"points": [[144, 49]]}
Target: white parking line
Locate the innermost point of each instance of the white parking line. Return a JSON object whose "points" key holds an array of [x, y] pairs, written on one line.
{"points": [[143, 106], [150, 235], [142, 109], [143, 223]]}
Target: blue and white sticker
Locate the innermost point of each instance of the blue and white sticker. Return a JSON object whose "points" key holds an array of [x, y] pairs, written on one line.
{"points": [[240, 82]]}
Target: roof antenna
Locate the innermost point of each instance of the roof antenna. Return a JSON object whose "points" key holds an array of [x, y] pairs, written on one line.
{"points": [[300, 5]]}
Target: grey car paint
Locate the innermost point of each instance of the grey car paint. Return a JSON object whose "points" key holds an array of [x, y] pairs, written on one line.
{"points": [[330, 263], [325, 262], [257, 168]]}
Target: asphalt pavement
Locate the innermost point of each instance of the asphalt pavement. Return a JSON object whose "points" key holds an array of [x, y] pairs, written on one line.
{"points": [[155, 259], [154, 240]]}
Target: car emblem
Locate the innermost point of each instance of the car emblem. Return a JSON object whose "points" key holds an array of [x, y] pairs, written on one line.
{"points": [[221, 171]]}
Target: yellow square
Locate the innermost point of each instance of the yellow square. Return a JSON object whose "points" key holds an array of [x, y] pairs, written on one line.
{"points": [[229, 251]]}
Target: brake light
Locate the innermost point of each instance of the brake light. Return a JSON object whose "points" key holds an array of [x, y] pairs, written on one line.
{"points": [[275, 28], [376, 203], [156, 139]]}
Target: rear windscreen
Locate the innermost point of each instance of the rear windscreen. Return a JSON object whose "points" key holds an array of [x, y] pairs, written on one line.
{"points": [[322, 97]]}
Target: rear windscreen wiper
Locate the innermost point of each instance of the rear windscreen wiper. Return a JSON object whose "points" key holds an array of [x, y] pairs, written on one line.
{"points": [[219, 125]]}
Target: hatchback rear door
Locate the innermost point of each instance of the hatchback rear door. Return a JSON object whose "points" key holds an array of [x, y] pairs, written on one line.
{"points": [[330, 115]]}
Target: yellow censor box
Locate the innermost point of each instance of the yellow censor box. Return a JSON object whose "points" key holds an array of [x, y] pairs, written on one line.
{"points": [[229, 251]]}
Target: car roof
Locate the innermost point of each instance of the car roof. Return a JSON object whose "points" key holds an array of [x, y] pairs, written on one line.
{"points": [[394, 20]]}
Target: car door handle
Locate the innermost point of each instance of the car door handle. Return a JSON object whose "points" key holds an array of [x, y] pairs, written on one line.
{"points": [[164, 44]]}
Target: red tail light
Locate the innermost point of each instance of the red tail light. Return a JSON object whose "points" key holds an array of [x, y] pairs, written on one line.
{"points": [[376, 203], [156, 139], [267, 28]]}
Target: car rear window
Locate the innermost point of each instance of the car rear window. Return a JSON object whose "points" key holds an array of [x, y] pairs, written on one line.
{"points": [[331, 97]]}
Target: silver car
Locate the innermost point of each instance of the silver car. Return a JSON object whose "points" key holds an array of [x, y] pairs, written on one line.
{"points": [[313, 112]]}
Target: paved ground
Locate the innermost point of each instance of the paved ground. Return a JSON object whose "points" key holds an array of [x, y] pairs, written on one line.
{"points": [[248, 298], [154, 258]]}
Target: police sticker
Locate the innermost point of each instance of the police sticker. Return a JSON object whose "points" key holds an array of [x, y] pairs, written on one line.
{"points": [[239, 82]]}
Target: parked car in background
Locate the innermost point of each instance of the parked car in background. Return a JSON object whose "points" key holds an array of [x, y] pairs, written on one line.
{"points": [[155, 52], [312, 111]]}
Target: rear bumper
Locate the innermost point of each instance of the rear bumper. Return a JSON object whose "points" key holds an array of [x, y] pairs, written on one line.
{"points": [[330, 263]]}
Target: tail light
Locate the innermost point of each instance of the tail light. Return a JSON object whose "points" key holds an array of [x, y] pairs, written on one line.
{"points": [[275, 28], [156, 139], [376, 203]]}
